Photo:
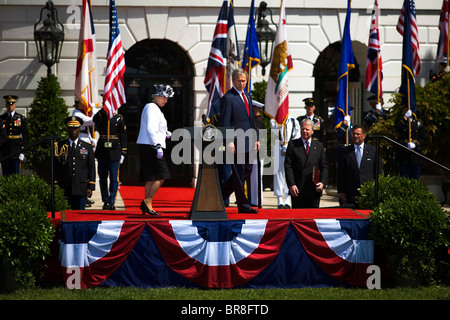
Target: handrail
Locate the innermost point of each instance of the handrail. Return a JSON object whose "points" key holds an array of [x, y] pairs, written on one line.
{"points": [[30, 146], [378, 137]]}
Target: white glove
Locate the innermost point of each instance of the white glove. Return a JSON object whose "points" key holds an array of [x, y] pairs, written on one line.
{"points": [[159, 153], [347, 118], [408, 114], [122, 158], [168, 134], [273, 124], [411, 145], [378, 106], [21, 157], [283, 149]]}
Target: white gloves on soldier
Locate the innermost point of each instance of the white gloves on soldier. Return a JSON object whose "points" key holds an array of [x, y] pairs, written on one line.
{"points": [[411, 145]]}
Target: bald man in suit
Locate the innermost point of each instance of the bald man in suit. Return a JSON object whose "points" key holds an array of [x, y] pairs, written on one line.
{"points": [[236, 111], [302, 156]]}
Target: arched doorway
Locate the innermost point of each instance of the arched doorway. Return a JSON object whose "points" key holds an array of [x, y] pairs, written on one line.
{"points": [[149, 62], [325, 75]]}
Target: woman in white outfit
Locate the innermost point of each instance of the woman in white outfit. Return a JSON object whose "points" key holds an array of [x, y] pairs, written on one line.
{"points": [[152, 142]]}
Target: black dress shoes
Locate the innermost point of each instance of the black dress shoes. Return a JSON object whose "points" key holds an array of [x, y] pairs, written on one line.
{"points": [[146, 210], [108, 206], [248, 210]]}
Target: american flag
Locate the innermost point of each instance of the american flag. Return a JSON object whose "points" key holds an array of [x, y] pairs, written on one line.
{"points": [[114, 91], [442, 50], [374, 67], [217, 62], [409, 6]]}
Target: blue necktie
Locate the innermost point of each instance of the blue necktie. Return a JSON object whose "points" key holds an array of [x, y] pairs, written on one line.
{"points": [[358, 156]]}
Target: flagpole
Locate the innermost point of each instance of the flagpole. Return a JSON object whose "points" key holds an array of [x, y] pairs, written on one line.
{"points": [[409, 108], [447, 68], [249, 73], [346, 108], [378, 77]]}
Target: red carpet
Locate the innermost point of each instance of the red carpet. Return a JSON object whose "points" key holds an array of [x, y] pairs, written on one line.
{"points": [[175, 203]]}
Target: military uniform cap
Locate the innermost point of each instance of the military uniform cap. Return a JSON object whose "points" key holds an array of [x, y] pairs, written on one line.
{"points": [[309, 101], [11, 98], [372, 98], [73, 122]]}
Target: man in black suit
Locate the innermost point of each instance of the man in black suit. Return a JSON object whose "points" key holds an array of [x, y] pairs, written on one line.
{"points": [[355, 169], [236, 111], [75, 166], [303, 156], [110, 153], [16, 128]]}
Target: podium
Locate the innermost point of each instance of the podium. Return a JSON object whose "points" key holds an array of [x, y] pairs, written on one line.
{"points": [[208, 203]]}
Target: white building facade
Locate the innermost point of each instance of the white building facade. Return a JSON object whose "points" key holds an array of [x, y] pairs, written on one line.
{"points": [[169, 41]]}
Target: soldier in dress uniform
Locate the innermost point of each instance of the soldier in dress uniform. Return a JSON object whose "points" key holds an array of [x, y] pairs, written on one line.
{"points": [[375, 113], [110, 153], [410, 166], [319, 127], [16, 128], [74, 165], [442, 72]]}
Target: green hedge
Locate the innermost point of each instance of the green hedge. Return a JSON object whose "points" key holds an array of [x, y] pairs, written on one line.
{"points": [[411, 228], [25, 230]]}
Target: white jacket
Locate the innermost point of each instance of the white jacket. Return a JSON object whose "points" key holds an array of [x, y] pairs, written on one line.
{"points": [[153, 126]]}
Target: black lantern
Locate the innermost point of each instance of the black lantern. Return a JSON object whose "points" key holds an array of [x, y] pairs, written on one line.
{"points": [[49, 38], [265, 34]]}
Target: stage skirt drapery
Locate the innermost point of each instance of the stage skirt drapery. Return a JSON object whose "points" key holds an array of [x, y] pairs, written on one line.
{"points": [[217, 254]]}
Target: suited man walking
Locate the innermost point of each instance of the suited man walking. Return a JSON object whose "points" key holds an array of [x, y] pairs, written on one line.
{"points": [[236, 111], [302, 156], [356, 165]]}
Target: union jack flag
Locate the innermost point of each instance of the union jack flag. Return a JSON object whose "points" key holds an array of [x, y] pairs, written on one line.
{"points": [[217, 62], [409, 6], [442, 50], [114, 91], [374, 66]]}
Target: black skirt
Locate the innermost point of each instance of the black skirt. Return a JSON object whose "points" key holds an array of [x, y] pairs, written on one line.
{"points": [[152, 168]]}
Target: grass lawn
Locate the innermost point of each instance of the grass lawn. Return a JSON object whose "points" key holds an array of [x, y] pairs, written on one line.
{"points": [[103, 293]]}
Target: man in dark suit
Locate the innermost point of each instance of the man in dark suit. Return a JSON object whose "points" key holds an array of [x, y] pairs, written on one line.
{"points": [[110, 153], [355, 169], [75, 166], [303, 156], [17, 131], [236, 111]]}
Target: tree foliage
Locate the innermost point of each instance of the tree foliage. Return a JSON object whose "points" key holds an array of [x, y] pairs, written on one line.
{"points": [[46, 118]]}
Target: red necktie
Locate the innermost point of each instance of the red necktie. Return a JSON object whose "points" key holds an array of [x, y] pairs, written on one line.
{"points": [[307, 147], [246, 103]]}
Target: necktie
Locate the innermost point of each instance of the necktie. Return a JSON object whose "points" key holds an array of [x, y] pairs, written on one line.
{"points": [[358, 156], [246, 103], [307, 147]]}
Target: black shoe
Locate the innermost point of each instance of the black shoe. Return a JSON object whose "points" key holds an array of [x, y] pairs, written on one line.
{"points": [[112, 207], [248, 210], [106, 206], [280, 206], [286, 206], [146, 210], [90, 201]]}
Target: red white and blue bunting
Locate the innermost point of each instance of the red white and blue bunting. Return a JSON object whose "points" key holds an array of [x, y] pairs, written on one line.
{"points": [[219, 254]]}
